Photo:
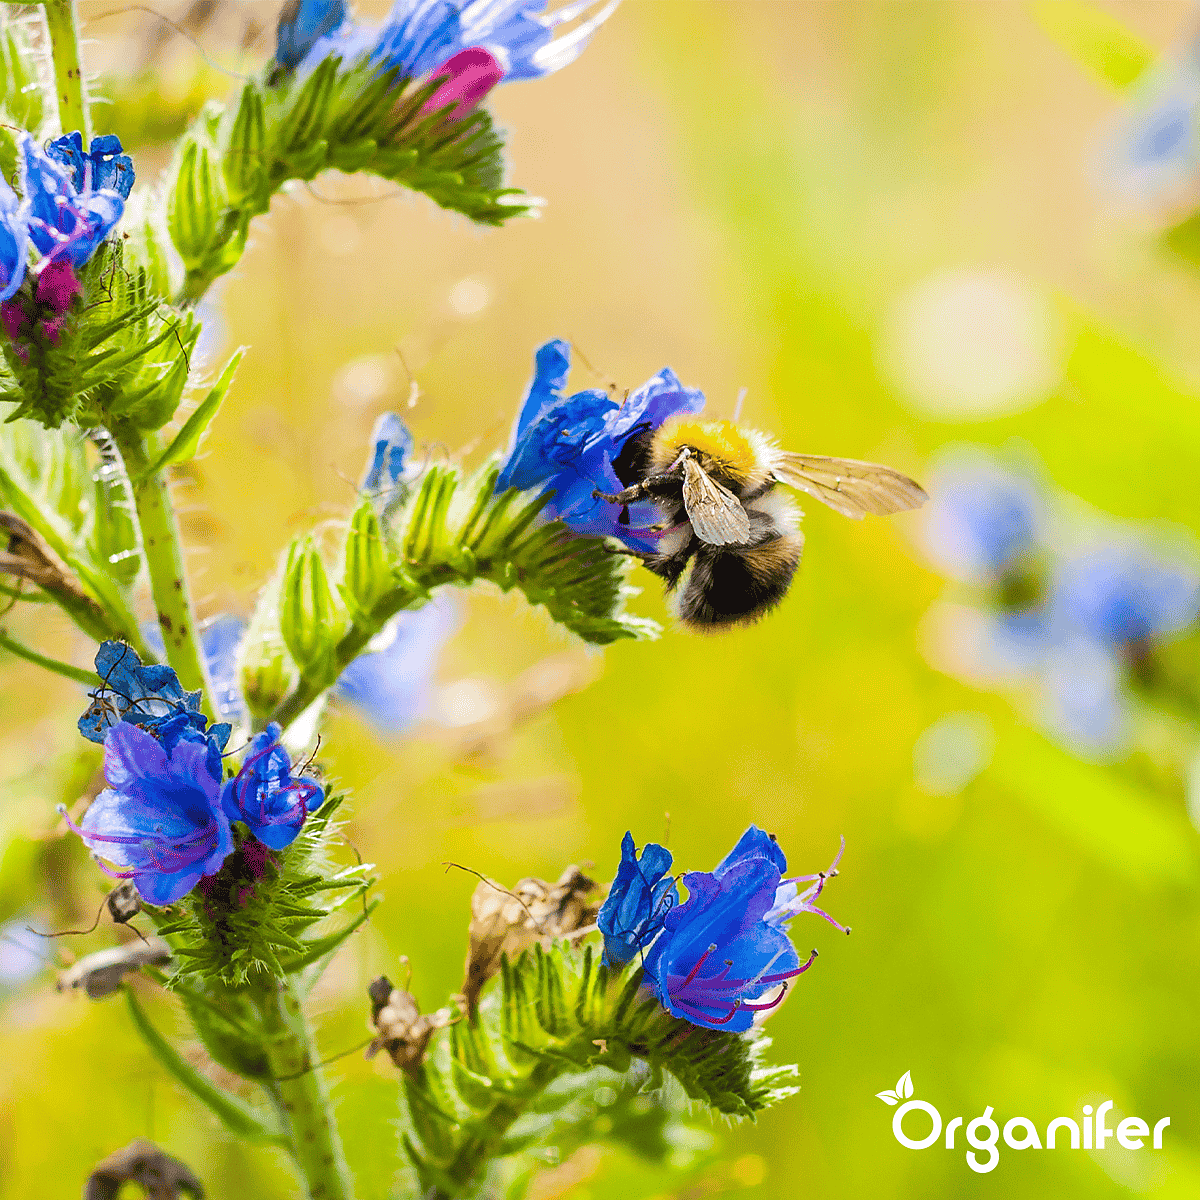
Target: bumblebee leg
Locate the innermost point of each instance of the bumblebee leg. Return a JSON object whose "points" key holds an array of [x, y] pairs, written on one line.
{"points": [[668, 481], [643, 555]]}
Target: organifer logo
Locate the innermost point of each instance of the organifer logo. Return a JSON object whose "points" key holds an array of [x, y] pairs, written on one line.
{"points": [[1020, 1133]]}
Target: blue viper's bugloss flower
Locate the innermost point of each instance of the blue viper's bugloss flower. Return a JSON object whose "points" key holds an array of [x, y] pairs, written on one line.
{"points": [[568, 445], [984, 521], [391, 443], [14, 241], [420, 36], [638, 901], [301, 24], [726, 946], [160, 817], [1121, 593], [267, 796], [65, 223], [105, 165], [391, 685]]}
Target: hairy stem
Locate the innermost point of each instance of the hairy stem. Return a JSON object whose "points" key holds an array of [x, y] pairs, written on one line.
{"points": [[303, 1099], [164, 561], [63, 22]]}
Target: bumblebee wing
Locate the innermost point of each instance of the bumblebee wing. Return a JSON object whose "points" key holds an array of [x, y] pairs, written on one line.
{"points": [[848, 486], [715, 512]]}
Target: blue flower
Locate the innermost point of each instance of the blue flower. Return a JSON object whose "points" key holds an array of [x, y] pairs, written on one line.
{"points": [[392, 444], [65, 223], [392, 683], [984, 522], [23, 953], [568, 446], [726, 946], [302, 23], [1152, 156], [638, 901], [151, 698], [421, 36], [1084, 701], [103, 166], [160, 817], [265, 794], [14, 241], [1122, 593]]}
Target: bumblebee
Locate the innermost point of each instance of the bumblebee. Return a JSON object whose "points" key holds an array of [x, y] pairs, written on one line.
{"points": [[715, 484]]}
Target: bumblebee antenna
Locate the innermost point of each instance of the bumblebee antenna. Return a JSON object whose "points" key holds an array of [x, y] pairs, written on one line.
{"points": [[737, 408]]}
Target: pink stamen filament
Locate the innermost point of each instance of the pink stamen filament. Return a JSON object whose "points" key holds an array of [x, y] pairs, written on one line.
{"points": [[699, 964], [770, 1004]]}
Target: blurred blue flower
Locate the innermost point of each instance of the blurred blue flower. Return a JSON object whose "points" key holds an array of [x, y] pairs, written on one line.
{"points": [[421, 36], [23, 953], [265, 794], [392, 443], [14, 241], [1120, 593], [105, 165], [1152, 156], [1085, 703], [638, 901], [160, 817], [568, 446], [983, 522], [65, 223], [302, 23], [725, 947], [391, 685]]}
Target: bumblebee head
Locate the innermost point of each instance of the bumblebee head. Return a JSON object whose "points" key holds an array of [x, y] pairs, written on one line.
{"points": [[732, 455]]}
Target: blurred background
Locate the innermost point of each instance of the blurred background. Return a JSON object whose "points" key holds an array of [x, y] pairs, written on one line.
{"points": [[891, 224]]}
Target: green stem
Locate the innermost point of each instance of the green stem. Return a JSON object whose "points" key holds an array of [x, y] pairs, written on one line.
{"points": [[88, 678], [303, 1098], [63, 23], [164, 562], [352, 644]]}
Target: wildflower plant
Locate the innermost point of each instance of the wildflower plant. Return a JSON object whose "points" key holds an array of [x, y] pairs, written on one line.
{"points": [[210, 820]]}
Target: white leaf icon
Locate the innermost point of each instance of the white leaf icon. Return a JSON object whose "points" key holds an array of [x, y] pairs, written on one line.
{"points": [[888, 1097], [904, 1086]]}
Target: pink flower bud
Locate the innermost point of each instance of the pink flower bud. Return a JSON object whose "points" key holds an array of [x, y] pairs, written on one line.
{"points": [[467, 77]]}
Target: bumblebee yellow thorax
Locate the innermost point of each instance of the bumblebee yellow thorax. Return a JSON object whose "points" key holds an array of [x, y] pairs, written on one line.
{"points": [[722, 448]]}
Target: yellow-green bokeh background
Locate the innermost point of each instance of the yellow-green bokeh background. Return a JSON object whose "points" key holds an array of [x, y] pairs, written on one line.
{"points": [[741, 191]]}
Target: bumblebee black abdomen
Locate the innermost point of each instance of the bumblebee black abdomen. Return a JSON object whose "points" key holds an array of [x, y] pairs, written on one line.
{"points": [[728, 586]]}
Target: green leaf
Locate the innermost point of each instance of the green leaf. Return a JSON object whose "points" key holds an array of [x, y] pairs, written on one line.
{"points": [[1095, 39], [324, 947], [233, 1112], [187, 441]]}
